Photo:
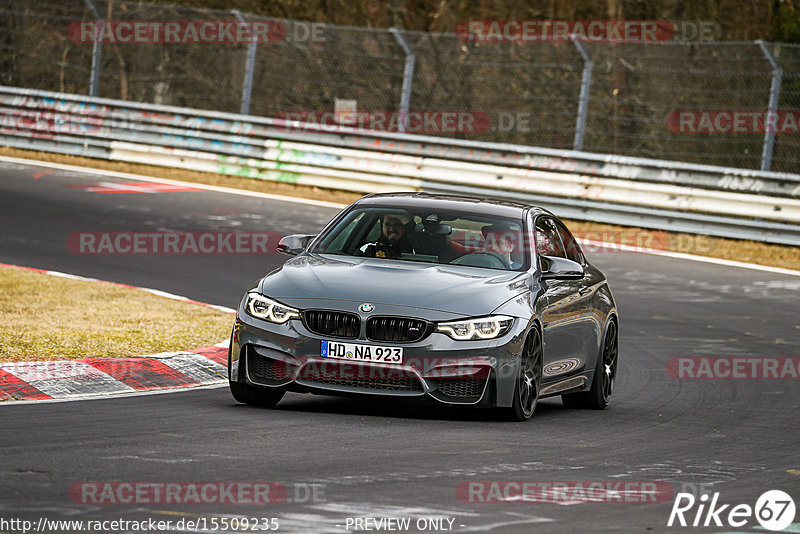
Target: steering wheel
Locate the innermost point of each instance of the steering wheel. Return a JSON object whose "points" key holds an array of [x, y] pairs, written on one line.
{"points": [[489, 259]]}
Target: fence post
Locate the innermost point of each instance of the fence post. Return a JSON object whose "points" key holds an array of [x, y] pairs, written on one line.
{"points": [[408, 79], [583, 100], [774, 96], [247, 84], [97, 50]]}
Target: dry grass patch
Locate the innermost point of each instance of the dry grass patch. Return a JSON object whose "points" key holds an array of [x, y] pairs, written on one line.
{"points": [[44, 317], [715, 247]]}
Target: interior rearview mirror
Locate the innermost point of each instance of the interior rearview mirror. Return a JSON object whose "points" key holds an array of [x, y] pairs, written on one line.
{"points": [[433, 228]]}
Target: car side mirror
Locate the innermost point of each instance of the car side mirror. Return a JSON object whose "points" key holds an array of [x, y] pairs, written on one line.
{"points": [[294, 244], [554, 268]]}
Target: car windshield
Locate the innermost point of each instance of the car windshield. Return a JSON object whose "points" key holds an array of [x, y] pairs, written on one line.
{"points": [[442, 237]]}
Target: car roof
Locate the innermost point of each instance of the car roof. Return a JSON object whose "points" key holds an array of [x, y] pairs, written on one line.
{"points": [[488, 206]]}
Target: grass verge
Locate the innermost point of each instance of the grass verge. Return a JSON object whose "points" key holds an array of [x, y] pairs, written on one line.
{"points": [[44, 317], [730, 249]]}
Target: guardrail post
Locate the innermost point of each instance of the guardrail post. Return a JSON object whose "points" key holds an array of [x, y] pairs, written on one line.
{"points": [[408, 79], [583, 100], [247, 84], [97, 50], [774, 96]]}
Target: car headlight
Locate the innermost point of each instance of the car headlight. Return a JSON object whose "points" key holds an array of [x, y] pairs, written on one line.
{"points": [[481, 328], [261, 307]]}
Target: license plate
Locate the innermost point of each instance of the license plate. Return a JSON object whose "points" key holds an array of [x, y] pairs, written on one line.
{"points": [[361, 353]]}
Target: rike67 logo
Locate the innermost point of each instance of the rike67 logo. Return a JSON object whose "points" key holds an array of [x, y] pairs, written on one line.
{"points": [[774, 511]]}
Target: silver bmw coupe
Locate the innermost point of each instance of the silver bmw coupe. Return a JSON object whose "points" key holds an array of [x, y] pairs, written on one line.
{"points": [[456, 300]]}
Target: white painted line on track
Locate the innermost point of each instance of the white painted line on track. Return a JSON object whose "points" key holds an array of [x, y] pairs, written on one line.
{"points": [[692, 257], [153, 179], [727, 263]]}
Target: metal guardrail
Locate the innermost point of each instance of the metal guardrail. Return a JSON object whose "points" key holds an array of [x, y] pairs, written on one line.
{"points": [[688, 95], [738, 203]]}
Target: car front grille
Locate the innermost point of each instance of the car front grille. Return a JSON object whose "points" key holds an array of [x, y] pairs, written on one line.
{"points": [[332, 323], [396, 329], [357, 376]]}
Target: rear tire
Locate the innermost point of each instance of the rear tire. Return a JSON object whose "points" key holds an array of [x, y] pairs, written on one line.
{"points": [[599, 396], [529, 378]]}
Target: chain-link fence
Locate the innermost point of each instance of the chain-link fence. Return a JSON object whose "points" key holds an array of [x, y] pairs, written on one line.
{"points": [[688, 101]]}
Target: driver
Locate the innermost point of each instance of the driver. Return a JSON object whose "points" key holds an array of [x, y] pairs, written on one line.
{"points": [[393, 240]]}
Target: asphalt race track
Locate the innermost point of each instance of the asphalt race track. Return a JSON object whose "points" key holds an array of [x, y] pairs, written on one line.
{"points": [[738, 437]]}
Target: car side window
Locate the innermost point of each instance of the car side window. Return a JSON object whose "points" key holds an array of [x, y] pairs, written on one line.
{"points": [[548, 242], [571, 246]]}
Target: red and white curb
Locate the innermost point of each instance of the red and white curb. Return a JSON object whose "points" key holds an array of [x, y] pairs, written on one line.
{"points": [[100, 377]]}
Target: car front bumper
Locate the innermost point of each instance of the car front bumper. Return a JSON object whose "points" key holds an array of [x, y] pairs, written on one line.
{"points": [[288, 356]]}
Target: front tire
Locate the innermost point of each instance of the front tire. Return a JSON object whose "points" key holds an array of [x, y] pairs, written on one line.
{"points": [[250, 395], [253, 396], [529, 378], [605, 373]]}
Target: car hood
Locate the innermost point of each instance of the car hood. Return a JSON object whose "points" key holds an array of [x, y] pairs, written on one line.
{"points": [[461, 290]]}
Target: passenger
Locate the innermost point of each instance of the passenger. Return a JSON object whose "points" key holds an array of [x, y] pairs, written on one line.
{"points": [[501, 239], [393, 240]]}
